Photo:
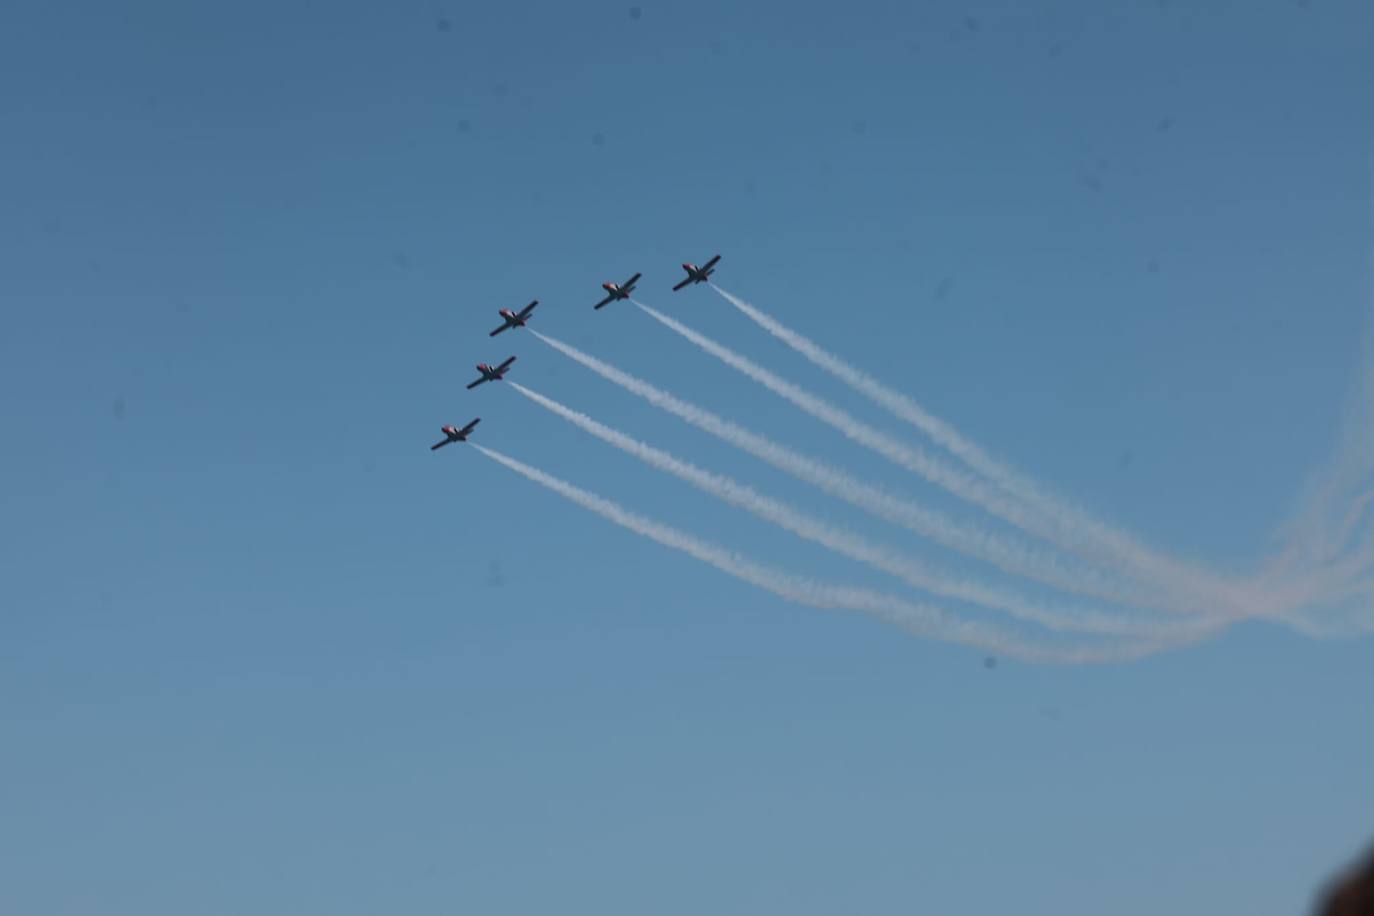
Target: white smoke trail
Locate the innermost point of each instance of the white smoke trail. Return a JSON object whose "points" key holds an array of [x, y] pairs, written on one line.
{"points": [[1354, 516], [922, 619], [1006, 554], [1182, 585], [907, 568], [1301, 593], [1092, 534], [899, 405], [1349, 614], [909, 457], [1332, 510]]}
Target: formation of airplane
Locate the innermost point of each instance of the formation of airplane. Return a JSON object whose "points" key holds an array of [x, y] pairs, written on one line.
{"points": [[697, 274], [491, 373], [453, 434], [511, 319], [616, 291], [514, 319]]}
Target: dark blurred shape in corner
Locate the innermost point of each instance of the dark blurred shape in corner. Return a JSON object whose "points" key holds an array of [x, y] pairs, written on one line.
{"points": [[1351, 893]]}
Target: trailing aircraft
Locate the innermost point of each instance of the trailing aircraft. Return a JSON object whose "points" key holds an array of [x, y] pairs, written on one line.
{"points": [[697, 274], [452, 434], [491, 373], [616, 291], [514, 319]]}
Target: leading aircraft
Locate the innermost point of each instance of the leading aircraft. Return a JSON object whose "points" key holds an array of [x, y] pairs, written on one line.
{"points": [[514, 319], [697, 274], [491, 373], [452, 434], [616, 291]]}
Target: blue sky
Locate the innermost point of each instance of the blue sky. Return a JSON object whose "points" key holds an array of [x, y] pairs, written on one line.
{"points": [[261, 650]]}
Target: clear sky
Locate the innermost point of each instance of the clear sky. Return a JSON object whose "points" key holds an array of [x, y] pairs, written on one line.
{"points": [[262, 651]]}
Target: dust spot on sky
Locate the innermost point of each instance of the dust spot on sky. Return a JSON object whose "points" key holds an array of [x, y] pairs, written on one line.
{"points": [[444, 25], [750, 186], [860, 127], [400, 260], [1091, 181], [1152, 265], [118, 408], [1125, 460], [500, 90], [495, 578], [1056, 49], [369, 466], [1053, 713], [943, 288], [717, 48], [1165, 123], [636, 12], [989, 663], [598, 139], [973, 24], [464, 125]]}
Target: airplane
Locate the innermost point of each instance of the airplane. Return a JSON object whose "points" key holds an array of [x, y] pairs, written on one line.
{"points": [[618, 291], [697, 274], [491, 373], [514, 319], [455, 435]]}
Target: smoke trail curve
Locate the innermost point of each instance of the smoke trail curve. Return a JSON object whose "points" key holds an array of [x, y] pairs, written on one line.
{"points": [[1197, 584], [908, 569], [1085, 535], [1006, 554], [922, 619]]}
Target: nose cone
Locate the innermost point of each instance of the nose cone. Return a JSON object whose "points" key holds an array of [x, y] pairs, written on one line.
{"points": [[608, 287], [689, 267]]}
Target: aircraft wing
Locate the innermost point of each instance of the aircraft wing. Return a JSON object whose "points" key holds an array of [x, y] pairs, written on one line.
{"points": [[472, 385], [711, 263], [525, 312], [631, 281], [469, 428], [498, 330], [682, 284], [603, 302], [440, 444], [506, 365]]}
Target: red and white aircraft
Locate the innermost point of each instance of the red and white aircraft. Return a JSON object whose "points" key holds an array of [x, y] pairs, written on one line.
{"points": [[514, 319], [491, 373], [452, 434], [697, 274], [616, 291]]}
